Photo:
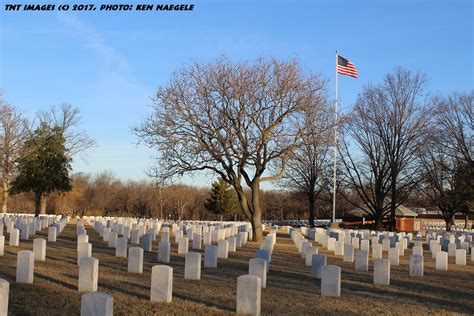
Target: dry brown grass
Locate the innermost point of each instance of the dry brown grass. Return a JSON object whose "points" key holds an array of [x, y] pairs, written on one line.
{"points": [[290, 290]]}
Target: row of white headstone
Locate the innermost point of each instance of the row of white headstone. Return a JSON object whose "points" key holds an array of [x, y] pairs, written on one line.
{"points": [[351, 240], [248, 286], [26, 258]]}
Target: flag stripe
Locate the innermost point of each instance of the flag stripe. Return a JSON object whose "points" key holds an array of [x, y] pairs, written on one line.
{"points": [[345, 67]]}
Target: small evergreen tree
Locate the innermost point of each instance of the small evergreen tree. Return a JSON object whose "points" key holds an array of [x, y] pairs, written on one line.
{"points": [[43, 166], [222, 199]]}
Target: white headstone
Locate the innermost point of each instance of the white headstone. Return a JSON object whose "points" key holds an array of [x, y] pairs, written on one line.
{"points": [[39, 249], [416, 265], [14, 237], [232, 243], [376, 251], [52, 233], [331, 280], [418, 250], [264, 254], [183, 245], [382, 271], [339, 250], [348, 253], [248, 295], [135, 260], [164, 249], [317, 264], [88, 274], [192, 266], [197, 241], [258, 268], [309, 255], [97, 304], [394, 256], [210, 256], [441, 260], [4, 293], [362, 261], [112, 241], [222, 249], [461, 257], [25, 266], [2, 245], [161, 284], [365, 245], [121, 247], [435, 248], [84, 249]]}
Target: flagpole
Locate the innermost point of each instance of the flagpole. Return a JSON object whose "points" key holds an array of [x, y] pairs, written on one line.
{"points": [[335, 149]]}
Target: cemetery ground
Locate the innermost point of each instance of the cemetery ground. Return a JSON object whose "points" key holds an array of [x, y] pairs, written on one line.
{"points": [[290, 288]]}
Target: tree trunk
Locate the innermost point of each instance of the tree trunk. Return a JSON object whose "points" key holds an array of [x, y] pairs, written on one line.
{"points": [[4, 194], [378, 222], [37, 203], [466, 220], [311, 201], [43, 204], [448, 225], [393, 205], [449, 222], [257, 212]]}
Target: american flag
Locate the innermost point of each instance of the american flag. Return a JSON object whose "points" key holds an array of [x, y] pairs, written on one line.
{"points": [[345, 67]]}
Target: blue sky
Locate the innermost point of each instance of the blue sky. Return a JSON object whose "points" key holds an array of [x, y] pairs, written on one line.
{"points": [[109, 64]]}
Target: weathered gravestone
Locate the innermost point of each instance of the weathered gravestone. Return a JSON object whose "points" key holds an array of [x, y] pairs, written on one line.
{"points": [[192, 266], [376, 251], [382, 271], [331, 280], [97, 304], [39, 249], [88, 274], [394, 256], [362, 261], [317, 264], [196, 241], [135, 260], [348, 253], [183, 245], [222, 249], [309, 255], [210, 256], [264, 254], [461, 257], [52, 234], [121, 247], [84, 249], [15, 237], [441, 260], [161, 284], [416, 265], [4, 293], [25, 266], [164, 249], [248, 295]]}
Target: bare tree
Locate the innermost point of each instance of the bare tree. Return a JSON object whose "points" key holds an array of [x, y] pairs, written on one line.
{"points": [[447, 157], [235, 120], [68, 119], [366, 171], [395, 121], [13, 131], [307, 166]]}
